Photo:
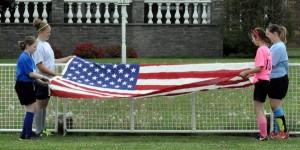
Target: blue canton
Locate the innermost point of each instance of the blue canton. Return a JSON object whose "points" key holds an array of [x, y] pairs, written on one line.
{"points": [[111, 76]]}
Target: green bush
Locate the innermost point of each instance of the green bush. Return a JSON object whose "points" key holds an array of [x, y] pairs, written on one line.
{"points": [[88, 50], [116, 52], [57, 51], [243, 16]]}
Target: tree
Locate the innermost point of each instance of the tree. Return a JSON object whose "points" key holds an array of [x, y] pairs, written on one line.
{"points": [[6, 4], [240, 17]]}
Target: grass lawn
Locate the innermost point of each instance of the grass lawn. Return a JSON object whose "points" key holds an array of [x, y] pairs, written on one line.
{"points": [[294, 52], [144, 142]]}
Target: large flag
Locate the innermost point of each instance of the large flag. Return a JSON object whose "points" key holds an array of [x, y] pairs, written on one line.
{"points": [[85, 79]]}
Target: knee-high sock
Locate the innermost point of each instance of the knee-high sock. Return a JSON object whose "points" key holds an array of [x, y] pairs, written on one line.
{"points": [[38, 118], [262, 125], [44, 119], [23, 133], [24, 127], [28, 123], [276, 127], [280, 119]]}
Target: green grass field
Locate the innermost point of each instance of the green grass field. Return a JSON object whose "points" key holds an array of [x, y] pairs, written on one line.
{"points": [[147, 142]]}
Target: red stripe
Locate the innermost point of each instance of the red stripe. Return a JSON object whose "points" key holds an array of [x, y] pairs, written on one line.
{"points": [[191, 74], [177, 94], [152, 87], [232, 82], [71, 95]]}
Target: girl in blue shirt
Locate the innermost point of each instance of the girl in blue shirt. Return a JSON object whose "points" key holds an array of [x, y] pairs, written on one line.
{"points": [[279, 80], [24, 87]]}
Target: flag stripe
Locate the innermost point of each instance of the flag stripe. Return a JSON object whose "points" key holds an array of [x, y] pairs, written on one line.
{"points": [[191, 74], [195, 67]]}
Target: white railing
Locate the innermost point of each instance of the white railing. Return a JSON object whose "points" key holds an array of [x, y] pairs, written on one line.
{"points": [[26, 14], [78, 13], [107, 11], [195, 11]]}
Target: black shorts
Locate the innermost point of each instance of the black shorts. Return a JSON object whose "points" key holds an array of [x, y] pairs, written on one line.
{"points": [[25, 92], [42, 92], [261, 90], [278, 87]]}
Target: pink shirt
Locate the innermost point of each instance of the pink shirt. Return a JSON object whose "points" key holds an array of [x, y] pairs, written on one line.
{"points": [[263, 59]]}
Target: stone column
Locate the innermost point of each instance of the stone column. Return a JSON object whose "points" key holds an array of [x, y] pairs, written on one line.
{"points": [[137, 11], [57, 11], [217, 10]]}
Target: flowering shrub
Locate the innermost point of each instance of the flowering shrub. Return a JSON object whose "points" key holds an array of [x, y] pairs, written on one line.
{"points": [[88, 50], [57, 51], [131, 53], [116, 52]]}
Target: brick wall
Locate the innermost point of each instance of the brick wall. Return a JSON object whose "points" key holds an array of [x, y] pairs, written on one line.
{"points": [[147, 40]]}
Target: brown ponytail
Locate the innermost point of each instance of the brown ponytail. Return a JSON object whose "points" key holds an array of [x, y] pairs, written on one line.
{"points": [[283, 34], [29, 40], [260, 33], [39, 25], [281, 30]]}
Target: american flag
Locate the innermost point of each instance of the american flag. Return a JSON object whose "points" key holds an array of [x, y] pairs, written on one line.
{"points": [[85, 79]]}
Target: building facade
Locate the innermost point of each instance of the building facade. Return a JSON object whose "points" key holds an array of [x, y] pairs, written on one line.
{"points": [[154, 29]]}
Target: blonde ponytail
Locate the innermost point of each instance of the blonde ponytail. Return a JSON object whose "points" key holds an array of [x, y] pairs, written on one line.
{"points": [[281, 30], [283, 34]]}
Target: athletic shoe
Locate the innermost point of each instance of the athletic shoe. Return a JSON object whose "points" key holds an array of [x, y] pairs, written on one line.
{"points": [[257, 137], [282, 135], [261, 138], [46, 132], [32, 137], [273, 135]]}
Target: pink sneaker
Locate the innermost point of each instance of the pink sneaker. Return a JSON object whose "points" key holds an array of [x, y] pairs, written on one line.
{"points": [[282, 135], [273, 135]]}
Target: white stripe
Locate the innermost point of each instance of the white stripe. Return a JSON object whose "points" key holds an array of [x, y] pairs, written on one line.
{"points": [[170, 81]]}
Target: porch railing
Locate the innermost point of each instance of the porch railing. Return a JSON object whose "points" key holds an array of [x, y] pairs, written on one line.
{"points": [[108, 11], [93, 9], [195, 11], [17, 14]]}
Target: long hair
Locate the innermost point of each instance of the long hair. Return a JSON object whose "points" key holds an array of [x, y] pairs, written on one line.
{"points": [[281, 31]]}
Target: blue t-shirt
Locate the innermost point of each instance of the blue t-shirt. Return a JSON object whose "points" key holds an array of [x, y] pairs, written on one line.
{"points": [[280, 65], [25, 65]]}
